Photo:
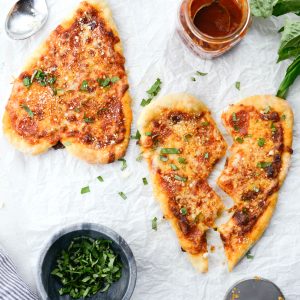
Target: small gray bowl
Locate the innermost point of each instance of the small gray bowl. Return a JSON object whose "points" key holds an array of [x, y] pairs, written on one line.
{"points": [[48, 285]]}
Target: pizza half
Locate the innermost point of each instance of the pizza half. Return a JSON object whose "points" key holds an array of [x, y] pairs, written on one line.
{"points": [[74, 91], [182, 143], [261, 128]]}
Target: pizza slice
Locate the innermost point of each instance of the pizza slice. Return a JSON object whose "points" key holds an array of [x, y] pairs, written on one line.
{"points": [[74, 91], [261, 128], [182, 143]]}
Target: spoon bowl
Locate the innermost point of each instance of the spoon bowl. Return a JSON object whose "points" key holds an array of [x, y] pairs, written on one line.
{"points": [[26, 18]]}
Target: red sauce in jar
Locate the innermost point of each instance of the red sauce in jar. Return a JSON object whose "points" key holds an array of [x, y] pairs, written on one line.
{"points": [[216, 18]]}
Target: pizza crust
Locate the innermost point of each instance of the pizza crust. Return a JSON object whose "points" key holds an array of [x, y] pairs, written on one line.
{"points": [[282, 107], [105, 155]]}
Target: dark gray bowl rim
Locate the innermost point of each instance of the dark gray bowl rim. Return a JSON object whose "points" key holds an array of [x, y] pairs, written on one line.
{"points": [[111, 234]]}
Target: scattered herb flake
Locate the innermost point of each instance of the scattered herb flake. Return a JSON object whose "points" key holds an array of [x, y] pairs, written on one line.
{"points": [[100, 178], [85, 190], [145, 182], [240, 140], [87, 120], [163, 158], [198, 218], [263, 164], [261, 142], [193, 78], [170, 151], [84, 86], [137, 136], [139, 158], [206, 123], [201, 73], [273, 128], [180, 178], [155, 88], [28, 110], [174, 167], [183, 211], [148, 133], [238, 85], [187, 137], [114, 79], [27, 81], [154, 223], [234, 117], [267, 109], [206, 155], [249, 255], [283, 117], [124, 163], [122, 195], [182, 160]]}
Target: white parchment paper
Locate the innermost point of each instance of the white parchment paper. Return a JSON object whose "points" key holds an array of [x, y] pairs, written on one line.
{"points": [[41, 194]]}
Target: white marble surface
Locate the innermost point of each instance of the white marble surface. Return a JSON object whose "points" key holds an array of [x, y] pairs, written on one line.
{"points": [[42, 194]]}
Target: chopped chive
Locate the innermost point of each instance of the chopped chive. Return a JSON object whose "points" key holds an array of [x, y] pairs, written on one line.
{"points": [[85, 190], [198, 218], [114, 79], [206, 155], [169, 151], [174, 167], [182, 160], [27, 81], [263, 164], [139, 158], [124, 163], [84, 86], [148, 133], [122, 195], [180, 178], [201, 73], [238, 85], [267, 109], [163, 158], [154, 223], [206, 123], [28, 110], [234, 117], [249, 255], [137, 136], [145, 102], [273, 128], [261, 142], [145, 182], [100, 178], [283, 117], [240, 140], [236, 128], [152, 92], [183, 211], [87, 120], [193, 78]]}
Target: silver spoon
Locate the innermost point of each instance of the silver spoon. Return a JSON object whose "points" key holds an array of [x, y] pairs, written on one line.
{"points": [[26, 18]]}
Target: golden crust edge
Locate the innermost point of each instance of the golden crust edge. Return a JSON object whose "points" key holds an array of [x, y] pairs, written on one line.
{"points": [[281, 106], [76, 149]]}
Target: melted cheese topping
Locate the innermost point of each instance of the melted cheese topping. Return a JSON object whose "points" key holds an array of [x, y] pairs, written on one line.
{"points": [[93, 115], [182, 176], [251, 173]]}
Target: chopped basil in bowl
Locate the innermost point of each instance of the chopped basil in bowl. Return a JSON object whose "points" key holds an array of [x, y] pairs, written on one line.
{"points": [[86, 261]]}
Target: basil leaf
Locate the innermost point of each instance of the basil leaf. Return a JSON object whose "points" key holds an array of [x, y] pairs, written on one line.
{"points": [[282, 7], [292, 73], [262, 8], [290, 40], [85, 190]]}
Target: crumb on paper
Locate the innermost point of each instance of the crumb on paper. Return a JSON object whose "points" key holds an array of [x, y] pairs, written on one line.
{"points": [[212, 248]]}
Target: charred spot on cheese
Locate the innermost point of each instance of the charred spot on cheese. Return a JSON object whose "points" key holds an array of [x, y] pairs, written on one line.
{"points": [[250, 195], [239, 121], [272, 116]]}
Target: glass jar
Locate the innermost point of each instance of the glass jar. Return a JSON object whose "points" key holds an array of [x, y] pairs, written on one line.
{"points": [[202, 44]]}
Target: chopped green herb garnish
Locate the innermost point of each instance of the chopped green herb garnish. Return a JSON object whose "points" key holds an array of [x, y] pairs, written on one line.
{"points": [[122, 195], [198, 218], [85, 190], [267, 110], [114, 79], [28, 110], [170, 151], [84, 86], [163, 158], [87, 120], [67, 143], [87, 267], [137, 136], [183, 211], [236, 128], [205, 123], [193, 78], [124, 163], [234, 117], [238, 85], [273, 128], [152, 92], [103, 82], [261, 142], [139, 158], [154, 223], [263, 164], [283, 117], [100, 178], [145, 182], [148, 133], [206, 155], [174, 167], [27, 81], [249, 255], [240, 140], [201, 73], [180, 178], [187, 137], [182, 160]]}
